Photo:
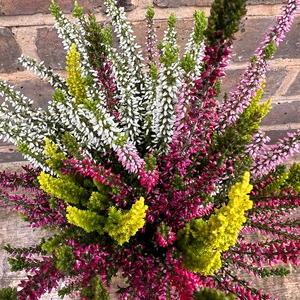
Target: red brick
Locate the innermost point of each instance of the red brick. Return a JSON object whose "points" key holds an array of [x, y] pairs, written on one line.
{"points": [[50, 48], [273, 81], [249, 37], [9, 52], [28, 7], [230, 81], [283, 113]]}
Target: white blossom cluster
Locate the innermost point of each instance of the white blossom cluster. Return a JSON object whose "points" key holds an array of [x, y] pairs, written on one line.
{"points": [[129, 74], [163, 108], [195, 48], [146, 104], [43, 72], [23, 124]]}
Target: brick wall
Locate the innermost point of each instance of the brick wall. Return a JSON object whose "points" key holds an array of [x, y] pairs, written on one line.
{"points": [[27, 27]]}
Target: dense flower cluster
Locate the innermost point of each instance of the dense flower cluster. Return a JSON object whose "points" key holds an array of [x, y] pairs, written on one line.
{"points": [[140, 172]]}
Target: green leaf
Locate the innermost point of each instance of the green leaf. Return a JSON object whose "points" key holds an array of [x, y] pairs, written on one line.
{"points": [[8, 294]]}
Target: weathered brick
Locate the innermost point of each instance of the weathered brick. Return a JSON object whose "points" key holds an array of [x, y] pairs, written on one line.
{"points": [[230, 81], [253, 2], [12, 156], [50, 48], [5, 144], [294, 87], [35, 89], [9, 52], [249, 36], [251, 33], [39, 91], [273, 81], [27, 7], [290, 47], [274, 135], [283, 113], [127, 4], [178, 3]]}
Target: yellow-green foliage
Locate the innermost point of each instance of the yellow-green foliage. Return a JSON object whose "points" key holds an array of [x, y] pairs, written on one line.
{"points": [[210, 294], [293, 179], [253, 115], [56, 156], [9, 293], [75, 81], [277, 184], [22, 216], [52, 244], [98, 201], [95, 290], [121, 226], [202, 242], [63, 188], [88, 220], [64, 258]]}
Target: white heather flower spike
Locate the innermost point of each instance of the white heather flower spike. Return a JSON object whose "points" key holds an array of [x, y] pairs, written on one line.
{"points": [[43, 72], [129, 74], [23, 124], [163, 107], [195, 45]]}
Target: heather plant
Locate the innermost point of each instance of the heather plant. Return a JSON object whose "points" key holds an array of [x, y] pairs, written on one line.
{"points": [[139, 171]]}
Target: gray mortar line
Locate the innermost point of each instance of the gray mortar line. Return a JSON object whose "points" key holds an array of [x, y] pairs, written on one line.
{"points": [[15, 77], [277, 63], [289, 126], [283, 99], [287, 81]]}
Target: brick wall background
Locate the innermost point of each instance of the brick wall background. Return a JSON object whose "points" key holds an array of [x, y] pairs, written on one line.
{"points": [[27, 27]]}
